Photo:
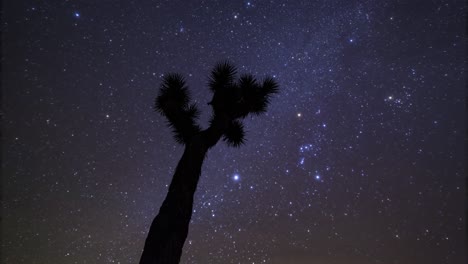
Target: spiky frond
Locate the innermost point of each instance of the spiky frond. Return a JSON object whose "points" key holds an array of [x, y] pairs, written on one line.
{"points": [[247, 82], [270, 86], [173, 103], [241, 95], [172, 94], [259, 97], [222, 76], [193, 111], [235, 135]]}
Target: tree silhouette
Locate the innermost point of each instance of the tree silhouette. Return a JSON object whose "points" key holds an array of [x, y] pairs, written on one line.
{"points": [[232, 101]]}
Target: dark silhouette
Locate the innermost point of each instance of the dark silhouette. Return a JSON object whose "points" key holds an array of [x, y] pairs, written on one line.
{"points": [[232, 101]]}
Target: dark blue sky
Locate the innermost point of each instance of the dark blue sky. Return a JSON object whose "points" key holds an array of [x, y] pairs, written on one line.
{"points": [[360, 158]]}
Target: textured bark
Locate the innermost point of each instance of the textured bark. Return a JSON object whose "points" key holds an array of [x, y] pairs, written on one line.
{"points": [[170, 227]]}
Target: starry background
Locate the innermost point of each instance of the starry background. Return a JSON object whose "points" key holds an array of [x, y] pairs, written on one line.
{"points": [[360, 158]]}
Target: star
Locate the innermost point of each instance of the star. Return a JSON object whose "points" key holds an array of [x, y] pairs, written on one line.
{"points": [[236, 177]]}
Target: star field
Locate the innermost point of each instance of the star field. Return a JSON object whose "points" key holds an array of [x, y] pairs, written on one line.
{"points": [[359, 159]]}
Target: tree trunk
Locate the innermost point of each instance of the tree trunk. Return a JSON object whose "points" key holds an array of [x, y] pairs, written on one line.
{"points": [[169, 228]]}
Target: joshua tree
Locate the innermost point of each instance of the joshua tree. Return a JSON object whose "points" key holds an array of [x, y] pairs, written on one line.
{"points": [[232, 101]]}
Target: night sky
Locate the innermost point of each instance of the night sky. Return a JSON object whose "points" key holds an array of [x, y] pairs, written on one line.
{"points": [[360, 158]]}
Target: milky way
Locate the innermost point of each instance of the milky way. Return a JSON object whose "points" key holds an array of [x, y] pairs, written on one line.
{"points": [[359, 159]]}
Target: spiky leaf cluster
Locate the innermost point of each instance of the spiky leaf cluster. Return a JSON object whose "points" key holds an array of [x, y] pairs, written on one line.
{"points": [[259, 96], [222, 76], [238, 98], [234, 135], [232, 101], [173, 102]]}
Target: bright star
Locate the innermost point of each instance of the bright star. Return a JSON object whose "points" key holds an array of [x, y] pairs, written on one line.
{"points": [[236, 177]]}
